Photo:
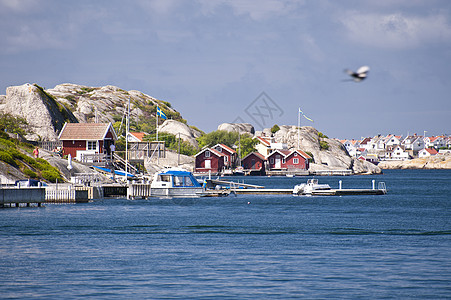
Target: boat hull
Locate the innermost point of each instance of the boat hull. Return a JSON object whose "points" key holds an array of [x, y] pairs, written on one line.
{"points": [[174, 192]]}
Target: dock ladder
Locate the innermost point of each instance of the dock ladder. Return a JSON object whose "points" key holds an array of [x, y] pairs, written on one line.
{"points": [[381, 186]]}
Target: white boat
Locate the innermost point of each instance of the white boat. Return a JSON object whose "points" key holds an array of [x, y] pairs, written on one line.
{"points": [[175, 183], [307, 188]]}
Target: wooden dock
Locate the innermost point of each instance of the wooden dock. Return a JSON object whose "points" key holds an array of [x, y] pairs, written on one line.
{"points": [[24, 196], [331, 192], [262, 191]]}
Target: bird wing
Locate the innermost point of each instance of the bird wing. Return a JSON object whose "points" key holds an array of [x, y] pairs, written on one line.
{"points": [[363, 70]]}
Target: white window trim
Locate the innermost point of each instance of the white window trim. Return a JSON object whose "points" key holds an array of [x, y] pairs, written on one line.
{"points": [[96, 145], [207, 153]]}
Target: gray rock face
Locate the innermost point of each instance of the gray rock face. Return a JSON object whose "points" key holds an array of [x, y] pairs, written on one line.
{"points": [[104, 103], [440, 161], [44, 116], [237, 127], [335, 157], [47, 111], [186, 133]]}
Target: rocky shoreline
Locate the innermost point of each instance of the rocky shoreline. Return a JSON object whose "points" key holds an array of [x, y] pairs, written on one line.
{"points": [[441, 161]]}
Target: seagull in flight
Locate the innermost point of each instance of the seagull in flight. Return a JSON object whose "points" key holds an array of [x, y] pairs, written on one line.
{"points": [[360, 74]]}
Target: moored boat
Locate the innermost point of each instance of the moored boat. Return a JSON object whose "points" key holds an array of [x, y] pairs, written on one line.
{"points": [[176, 183], [309, 187]]}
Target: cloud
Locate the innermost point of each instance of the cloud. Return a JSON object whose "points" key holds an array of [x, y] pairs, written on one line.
{"points": [[18, 6], [256, 10], [396, 31]]}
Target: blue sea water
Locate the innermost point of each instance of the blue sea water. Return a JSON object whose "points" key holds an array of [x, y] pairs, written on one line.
{"points": [[246, 247]]}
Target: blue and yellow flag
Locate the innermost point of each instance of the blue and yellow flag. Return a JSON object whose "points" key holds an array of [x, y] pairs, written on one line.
{"points": [[161, 114], [302, 114]]}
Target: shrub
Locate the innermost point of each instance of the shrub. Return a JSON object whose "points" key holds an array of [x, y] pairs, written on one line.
{"points": [[275, 128], [51, 175], [311, 155], [17, 154], [321, 135], [30, 173], [7, 158], [324, 145]]}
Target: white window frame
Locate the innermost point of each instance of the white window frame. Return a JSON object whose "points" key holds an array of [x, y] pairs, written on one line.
{"points": [[295, 161], [207, 153], [89, 145]]}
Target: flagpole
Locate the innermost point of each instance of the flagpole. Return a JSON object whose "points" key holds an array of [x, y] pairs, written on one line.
{"points": [[299, 127], [158, 143], [127, 129]]}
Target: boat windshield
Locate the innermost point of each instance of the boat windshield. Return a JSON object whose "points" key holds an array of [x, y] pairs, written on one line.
{"points": [[183, 181], [179, 178], [165, 178]]}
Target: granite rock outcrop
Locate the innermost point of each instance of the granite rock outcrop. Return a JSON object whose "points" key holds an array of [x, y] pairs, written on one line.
{"points": [[44, 115], [185, 132], [237, 127]]}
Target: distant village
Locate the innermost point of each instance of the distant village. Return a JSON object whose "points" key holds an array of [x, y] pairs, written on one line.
{"points": [[396, 147]]}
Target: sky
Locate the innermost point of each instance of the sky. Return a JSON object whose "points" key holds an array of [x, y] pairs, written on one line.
{"points": [[257, 62]]}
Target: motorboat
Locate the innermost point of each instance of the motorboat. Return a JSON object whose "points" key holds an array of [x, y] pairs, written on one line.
{"points": [[176, 183], [307, 188]]}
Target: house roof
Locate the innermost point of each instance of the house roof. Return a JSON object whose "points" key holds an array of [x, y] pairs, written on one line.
{"points": [[433, 139], [264, 141], [287, 153], [86, 131], [365, 141], [255, 154], [431, 151], [138, 135], [230, 150], [214, 151]]}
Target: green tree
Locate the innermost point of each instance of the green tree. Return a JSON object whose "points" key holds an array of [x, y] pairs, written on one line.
{"points": [[230, 139], [275, 128]]}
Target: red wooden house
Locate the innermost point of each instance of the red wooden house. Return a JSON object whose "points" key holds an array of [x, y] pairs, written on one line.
{"points": [[288, 160], [87, 138], [230, 157], [209, 160], [254, 164]]}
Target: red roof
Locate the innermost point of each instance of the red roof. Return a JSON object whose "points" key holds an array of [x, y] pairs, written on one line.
{"points": [[214, 151], [255, 154], [264, 141], [230, 150], [86, 131], [431, 151], [138, 135], [287, 153]]}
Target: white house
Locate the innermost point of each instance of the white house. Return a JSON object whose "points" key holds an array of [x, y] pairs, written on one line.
{"points": [[399, 153], [351, 146], [376, 144], [392, 140], [426, 152], [264, 146], [435, 141], [413, 142]]}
